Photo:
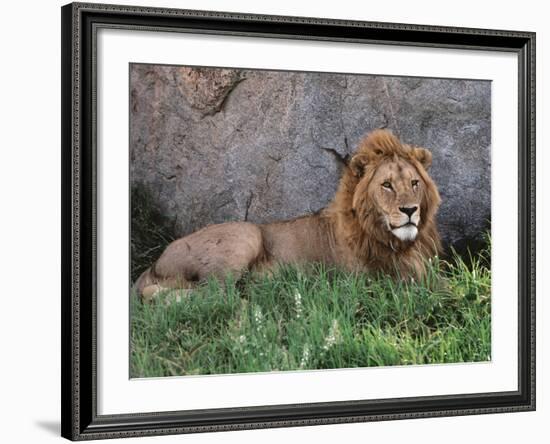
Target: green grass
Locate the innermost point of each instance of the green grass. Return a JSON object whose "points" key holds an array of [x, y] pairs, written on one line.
{"points": [[316, 319]]}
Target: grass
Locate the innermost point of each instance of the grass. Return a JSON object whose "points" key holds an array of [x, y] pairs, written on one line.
{"points": [[317, 319]]}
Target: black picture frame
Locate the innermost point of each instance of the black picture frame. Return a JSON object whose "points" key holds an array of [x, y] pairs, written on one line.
{"points": [[78, 332]]}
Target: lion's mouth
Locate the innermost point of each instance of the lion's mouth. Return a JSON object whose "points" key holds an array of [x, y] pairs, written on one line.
{"points": [[407, 224], [406, 232]]}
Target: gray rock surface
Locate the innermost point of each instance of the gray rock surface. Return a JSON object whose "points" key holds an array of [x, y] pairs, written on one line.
{"points": [[214, 145]]}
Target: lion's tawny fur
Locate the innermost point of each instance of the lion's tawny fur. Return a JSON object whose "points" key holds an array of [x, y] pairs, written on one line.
{"points": [[354, 231]]}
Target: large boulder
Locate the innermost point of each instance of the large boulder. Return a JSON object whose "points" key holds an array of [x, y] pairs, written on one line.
{"points": [[215, 145]]}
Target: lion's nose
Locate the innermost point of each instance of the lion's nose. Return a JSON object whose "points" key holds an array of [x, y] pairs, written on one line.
{"points": [[409, 211]]}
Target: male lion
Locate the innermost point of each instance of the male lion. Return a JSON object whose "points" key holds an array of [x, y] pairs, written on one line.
{"points": [[382, 218]]}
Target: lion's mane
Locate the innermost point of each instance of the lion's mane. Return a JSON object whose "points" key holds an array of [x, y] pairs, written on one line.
{"points": [[372, 245]]}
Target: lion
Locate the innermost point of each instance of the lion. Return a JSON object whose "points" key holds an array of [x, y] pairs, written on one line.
{"points": [[381, 219]]}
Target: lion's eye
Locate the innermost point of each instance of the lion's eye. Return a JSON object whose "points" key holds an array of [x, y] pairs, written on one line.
{"points": [[386, 184], [414, 183]]}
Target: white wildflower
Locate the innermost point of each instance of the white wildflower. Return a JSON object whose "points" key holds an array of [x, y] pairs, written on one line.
{"points": [[298, 304], [259, 320], [334, 336], [258, 317], [242, 339], [305, 356]]}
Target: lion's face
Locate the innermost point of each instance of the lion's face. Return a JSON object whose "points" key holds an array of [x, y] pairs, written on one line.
{"points": [[395, 191]]}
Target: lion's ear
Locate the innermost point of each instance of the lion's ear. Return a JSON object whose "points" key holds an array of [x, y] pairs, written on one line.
{"points": [[358, 163], [423, 156]]}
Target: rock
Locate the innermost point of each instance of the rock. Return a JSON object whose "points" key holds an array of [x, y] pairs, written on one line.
{"points": [[215, 145], [205, 89]]}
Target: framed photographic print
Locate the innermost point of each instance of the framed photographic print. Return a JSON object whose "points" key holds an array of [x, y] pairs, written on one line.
{"points": [[278, 221]]}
